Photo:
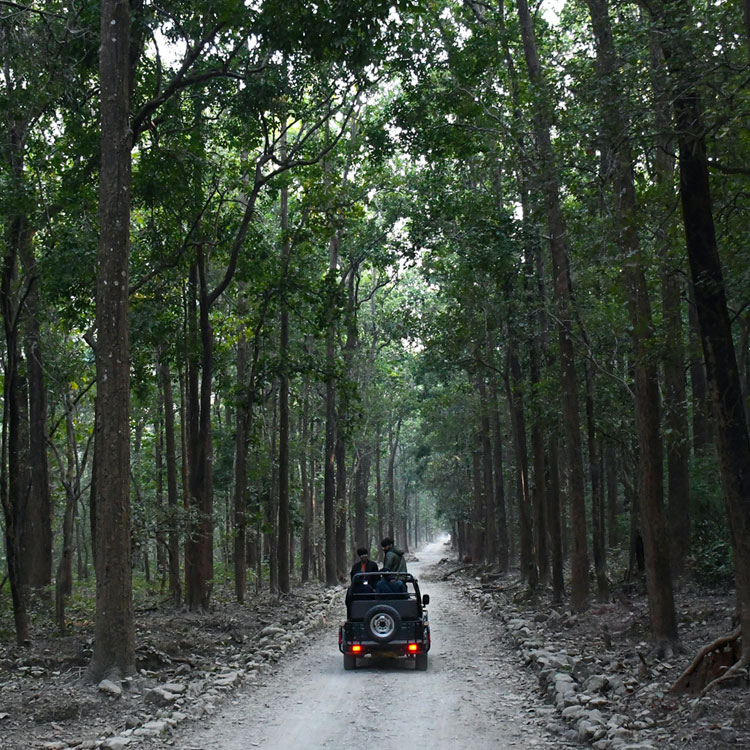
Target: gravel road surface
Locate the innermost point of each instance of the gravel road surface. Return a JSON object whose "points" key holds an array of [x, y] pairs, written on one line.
{"points": [[474, 694]]}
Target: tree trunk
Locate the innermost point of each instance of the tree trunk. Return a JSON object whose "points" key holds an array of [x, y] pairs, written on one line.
{"points": [[341, 482], [239, 502], [529, 572], [562, 295], [555, 522], [161, 537], [114, 631], [379, 490], [476, 528], [647, 402], [393, 436], [730, 426], [272, 500], [598, 531], [610, 469], [361, 485], [329, 477], [199, 554], [307, 494], [702, 427], [12, 486], [676, 429], [64, 578], [284, 527], [488, 494], [37, 565], [170, 450]]}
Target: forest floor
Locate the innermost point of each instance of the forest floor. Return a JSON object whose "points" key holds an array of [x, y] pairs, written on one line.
{"points": [[195, 668], [616, 670]]}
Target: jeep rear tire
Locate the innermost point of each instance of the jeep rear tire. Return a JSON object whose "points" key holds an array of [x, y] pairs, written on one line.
{"points": [[382, 623], [350, 661], [420, 662]]}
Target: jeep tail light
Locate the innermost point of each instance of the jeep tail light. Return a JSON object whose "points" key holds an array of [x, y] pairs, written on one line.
{"points": [[413, 648], [356, 648]]}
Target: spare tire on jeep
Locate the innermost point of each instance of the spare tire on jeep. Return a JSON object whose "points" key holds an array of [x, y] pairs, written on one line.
{"points": [[382, 623]]}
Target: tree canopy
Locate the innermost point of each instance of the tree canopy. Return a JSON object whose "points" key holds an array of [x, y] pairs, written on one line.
{"points": [[327, 272]]}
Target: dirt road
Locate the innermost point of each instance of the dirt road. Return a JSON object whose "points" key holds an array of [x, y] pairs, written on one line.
{"points": [[473, 695]]}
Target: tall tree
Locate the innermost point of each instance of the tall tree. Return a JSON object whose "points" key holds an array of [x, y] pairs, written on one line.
{"points": [[284, 528], [730, 428], [619, 162], [114, 629], [562, 294]]}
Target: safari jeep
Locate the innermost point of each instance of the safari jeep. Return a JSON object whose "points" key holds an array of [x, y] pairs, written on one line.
{"points": [[381, 622]]}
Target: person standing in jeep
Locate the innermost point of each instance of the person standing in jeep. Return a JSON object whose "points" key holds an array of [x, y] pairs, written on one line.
{"points": [[394, 558]]}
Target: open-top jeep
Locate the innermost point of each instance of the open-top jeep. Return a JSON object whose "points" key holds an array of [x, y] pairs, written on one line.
{"points": [[384, 621]]}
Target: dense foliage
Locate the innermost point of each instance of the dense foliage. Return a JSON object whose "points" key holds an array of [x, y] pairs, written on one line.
{"points": [[347, 315]]}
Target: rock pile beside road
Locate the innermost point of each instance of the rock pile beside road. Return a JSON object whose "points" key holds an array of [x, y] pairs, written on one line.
{"points": [[607, 683], [186, 678]]}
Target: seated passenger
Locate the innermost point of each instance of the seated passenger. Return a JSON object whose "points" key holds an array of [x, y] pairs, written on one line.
{"points": [[390, 586], [364, 565]]}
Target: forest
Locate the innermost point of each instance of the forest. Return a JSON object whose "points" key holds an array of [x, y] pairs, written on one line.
{"points": [[280, 279]]}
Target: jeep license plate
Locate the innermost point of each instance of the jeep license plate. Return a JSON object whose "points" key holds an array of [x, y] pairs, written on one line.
{"points": [[388, 654]]}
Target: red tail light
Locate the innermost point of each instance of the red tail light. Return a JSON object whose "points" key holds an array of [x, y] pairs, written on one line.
{"points": [[356, 648], [413, 648]]}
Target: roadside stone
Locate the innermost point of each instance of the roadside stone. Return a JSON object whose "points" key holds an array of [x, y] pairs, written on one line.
{"points": [[571, 713], [597, 683], [110, 688], [116, 743], [272, 630], [227, 680], [176, 688], [151, 729], [159, 697]]}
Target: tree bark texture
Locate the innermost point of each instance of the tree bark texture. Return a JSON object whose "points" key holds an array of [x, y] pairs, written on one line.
{"points": [[529, 572], [199, 552], [555, 521], [703, 431], [499, 480], [64, 577], [329, 476], [37, 542], [306, 491], [170, 450], [379, 490], [618, 160], [341, 482], [239, 503], [677, 440], [562, 296], [730, 426], [114, 631], [361, 485], [393, 435], [488, 495], [598, 541], [476, 529], [12, 485], [284, 525]]}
